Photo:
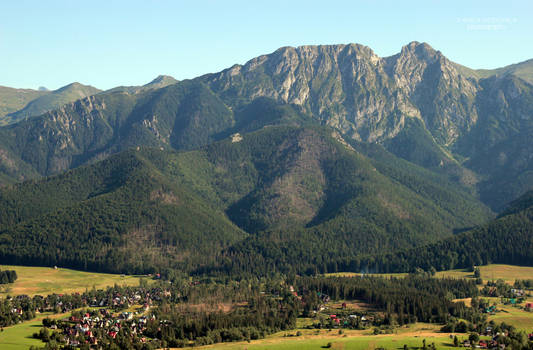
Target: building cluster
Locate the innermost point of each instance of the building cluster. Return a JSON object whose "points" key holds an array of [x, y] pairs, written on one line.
{"points": [[93, 327]]}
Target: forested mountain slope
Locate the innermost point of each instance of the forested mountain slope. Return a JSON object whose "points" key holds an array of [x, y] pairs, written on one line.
{"points": [[505, 240], [146, 209]]}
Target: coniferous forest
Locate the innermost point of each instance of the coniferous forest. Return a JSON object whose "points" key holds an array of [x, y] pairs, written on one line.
{"points": [[268, 199]]}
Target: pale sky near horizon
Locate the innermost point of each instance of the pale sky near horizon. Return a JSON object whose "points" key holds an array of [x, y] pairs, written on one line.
{"points": [[106, 43]]}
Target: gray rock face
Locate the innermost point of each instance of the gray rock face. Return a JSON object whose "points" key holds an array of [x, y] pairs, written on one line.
{"points": [[467, 116], [351, 88]]}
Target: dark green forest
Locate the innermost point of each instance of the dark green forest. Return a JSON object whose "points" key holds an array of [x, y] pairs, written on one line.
{"points": [[279, 194], [226, 174], [8, 276]]}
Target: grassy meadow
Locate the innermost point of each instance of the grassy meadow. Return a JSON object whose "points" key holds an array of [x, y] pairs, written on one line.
{"points": [[411, 335], [20, 336], [508, 273], [511, 315], [514, 316], [46, 280]]}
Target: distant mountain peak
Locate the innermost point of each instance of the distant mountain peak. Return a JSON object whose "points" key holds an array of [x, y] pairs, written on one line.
{"points": [[421, 50], [76, 86], [42, 88], [161, 81], [52, 100]]}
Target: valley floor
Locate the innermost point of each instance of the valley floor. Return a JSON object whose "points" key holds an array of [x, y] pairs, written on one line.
{"points": [[43, 280], [412, 336]]}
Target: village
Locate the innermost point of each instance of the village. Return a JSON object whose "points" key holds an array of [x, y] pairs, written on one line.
{"points": [[93, 326], [182, 312]]}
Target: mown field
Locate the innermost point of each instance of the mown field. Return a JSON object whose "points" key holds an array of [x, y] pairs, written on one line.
{"points": [[511, 315], [412, 336], [20, 336], [45, 280], [514, 316], [508, 273]]}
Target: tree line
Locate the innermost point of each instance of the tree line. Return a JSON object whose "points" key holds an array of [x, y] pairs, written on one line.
{"points": [[8, 276]]}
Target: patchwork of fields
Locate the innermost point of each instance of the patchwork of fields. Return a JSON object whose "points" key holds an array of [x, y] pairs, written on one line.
{"points": [[43, 280]]}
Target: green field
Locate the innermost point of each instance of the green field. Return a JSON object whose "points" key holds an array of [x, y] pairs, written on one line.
{"points": [[20, 336], [338, 342], [46, 280], [514, 316], [511, 315]]}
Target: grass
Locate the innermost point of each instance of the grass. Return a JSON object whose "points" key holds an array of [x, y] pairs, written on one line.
{"points": [[20, 336], [357, 340], [514, 316], [46, 280], [508, 273]]}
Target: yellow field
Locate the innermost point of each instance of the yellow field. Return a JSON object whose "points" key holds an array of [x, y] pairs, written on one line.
{"points": [[508, 273], [412, 335], [46, 280], [514, 316]]}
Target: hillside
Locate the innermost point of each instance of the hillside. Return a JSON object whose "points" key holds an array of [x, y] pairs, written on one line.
{"points": [[505, 240], [523, 70], [51, 100], [296, 187], [11, 100], [120, 215], [159, 82]]}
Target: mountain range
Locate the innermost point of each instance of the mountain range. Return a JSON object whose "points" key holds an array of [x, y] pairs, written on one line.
{"points": [[329, 151]]}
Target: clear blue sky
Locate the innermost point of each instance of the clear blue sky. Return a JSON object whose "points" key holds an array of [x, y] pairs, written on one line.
{"points": [[109, 43]]}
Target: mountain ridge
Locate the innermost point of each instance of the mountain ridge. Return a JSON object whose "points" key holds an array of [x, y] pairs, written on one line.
{"points": [[51, 100], [415, 97]]}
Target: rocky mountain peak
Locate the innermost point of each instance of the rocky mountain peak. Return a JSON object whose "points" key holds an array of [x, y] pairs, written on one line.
{"points": [[420, 49]]}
